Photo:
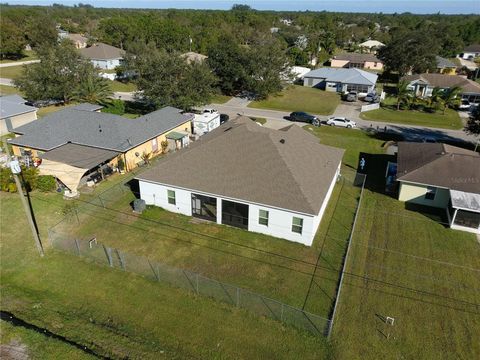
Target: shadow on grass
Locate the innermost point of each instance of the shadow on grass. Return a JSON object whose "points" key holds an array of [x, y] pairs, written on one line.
{"points": [[435, 214]]}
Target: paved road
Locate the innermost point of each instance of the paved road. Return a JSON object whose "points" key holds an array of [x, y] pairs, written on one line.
{"points": [[19, 63], [275, 119]]}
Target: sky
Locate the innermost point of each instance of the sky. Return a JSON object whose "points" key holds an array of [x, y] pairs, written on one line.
{"points": [[385, 6]]}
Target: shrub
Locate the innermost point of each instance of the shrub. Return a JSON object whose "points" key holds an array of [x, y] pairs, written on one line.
{"points": [[121, 163], [116, 107], [46, 183]]}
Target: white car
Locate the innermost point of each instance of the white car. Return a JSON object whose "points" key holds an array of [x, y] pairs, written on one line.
{"points": [[341, 121]]}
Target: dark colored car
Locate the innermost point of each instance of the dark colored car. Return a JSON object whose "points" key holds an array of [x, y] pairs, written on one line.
{"points": [[301, 116], [224, 118]]}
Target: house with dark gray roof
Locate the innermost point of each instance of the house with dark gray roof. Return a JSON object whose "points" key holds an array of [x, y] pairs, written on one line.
{"points": [[441, 176], [422, 85], [341, 80], [103, 56], [14, 113], [275, 182], [78, 135]]}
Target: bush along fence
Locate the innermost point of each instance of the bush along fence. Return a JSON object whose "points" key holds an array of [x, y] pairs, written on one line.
{"points": [[156, 271]]}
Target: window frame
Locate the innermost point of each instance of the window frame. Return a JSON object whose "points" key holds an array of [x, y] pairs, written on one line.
{"points": [[297, 228], [171, 198], [265, 218]]}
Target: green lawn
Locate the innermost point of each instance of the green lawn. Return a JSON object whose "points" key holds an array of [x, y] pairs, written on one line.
{"points": [[9, 90], [28, 55], [389, 114], [431, 300], [300, 98], [11, 72], [220, 99], [121, 86], [259, 120]]}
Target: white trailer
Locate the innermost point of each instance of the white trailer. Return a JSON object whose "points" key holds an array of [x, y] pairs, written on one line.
{"points": [[205, 122]]}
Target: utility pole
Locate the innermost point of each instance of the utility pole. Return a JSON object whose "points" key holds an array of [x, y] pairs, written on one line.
{"points": [[27, 206]]}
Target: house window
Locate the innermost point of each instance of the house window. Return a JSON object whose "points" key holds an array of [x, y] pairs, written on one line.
{"points": [[297, 225], [430, 194], [171, 197], [263, 217], [358, 88]]}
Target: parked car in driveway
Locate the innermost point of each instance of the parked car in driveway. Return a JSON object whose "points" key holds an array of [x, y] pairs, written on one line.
{"points": [[301, 116], [372, 98], [351, 96], [341, 121], [464, 105]]}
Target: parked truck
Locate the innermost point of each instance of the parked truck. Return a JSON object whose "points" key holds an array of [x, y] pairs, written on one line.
{"points": [[205, 122]]}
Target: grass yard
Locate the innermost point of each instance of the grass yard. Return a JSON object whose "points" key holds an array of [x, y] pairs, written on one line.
{"points": [[300, 98], [11, 72], [121, 86], [389, 114], [220, 99], [424, 275], [122, 315], [9, 90]]}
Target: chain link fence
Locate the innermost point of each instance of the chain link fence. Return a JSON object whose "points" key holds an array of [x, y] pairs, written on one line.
{"points": [[184, 279]]}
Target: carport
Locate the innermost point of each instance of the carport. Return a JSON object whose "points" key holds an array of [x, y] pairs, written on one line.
{"points": [[70, 163]]}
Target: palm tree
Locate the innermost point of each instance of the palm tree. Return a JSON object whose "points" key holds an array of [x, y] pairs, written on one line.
{"points": [[451, 97], [436, 98], [404, 94], [92, 89]]}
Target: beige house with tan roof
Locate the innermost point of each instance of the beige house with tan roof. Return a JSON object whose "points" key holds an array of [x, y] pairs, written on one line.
{"points": [[274, 182], [103, 56], [355, 60], [441, 176]]}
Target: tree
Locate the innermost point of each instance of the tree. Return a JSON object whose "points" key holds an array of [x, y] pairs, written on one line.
{"points": [[451, 98], [268, 68], [92, 88], [409, 51], [42, 32], [59, 73], [404, 94], [473, 123], [165, 79], [228, 61], [436, 99], [12, 41]]}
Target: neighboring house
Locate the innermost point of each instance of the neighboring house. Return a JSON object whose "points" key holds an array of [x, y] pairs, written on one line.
{"points": [[103, 56], [371, 45], [445, 66], [287, 22], [358, 61], [100, 138], [341, 80], [14, 113], [78, 40], [299, 72], [441, 176], [274, 182], [193, 57], [471, 52], [422, 85]]}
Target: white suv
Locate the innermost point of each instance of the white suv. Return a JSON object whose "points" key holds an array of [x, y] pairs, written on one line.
{"points": [[341, 121]]}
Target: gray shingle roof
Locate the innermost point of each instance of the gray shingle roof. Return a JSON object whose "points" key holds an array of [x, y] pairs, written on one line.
{"points": [[446, 81], [443, 63], [345, 76], [101, 130], [285, 168], [87, 107], [13, 105], [101, 51], [439, 165], [83, 157]]}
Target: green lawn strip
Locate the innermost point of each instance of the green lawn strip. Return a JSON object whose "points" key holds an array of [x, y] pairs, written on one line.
{"points": [[37, 346], [11, 72], [220, 99], [259, 120], [423, 323], [122, 86], [450, 120], [122, 314], [9, 90], [300, 98]]}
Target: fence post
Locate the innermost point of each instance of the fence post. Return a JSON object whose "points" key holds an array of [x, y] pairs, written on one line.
{"points": [[153, 270], [107, 254], [121, 260], [77, 247], [101, 200]]}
